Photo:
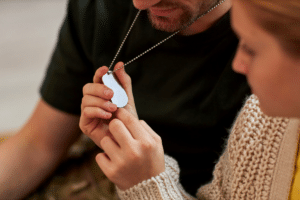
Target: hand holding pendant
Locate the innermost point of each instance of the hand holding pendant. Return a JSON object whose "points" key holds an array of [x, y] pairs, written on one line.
{"points": [[96, 107]]}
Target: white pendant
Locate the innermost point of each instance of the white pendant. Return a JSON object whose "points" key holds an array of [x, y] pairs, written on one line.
{"points": [[120, 97]]}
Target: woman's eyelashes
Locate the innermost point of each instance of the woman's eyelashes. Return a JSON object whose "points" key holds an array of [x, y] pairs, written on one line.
{"points": [[243, 46], [246, 49]]}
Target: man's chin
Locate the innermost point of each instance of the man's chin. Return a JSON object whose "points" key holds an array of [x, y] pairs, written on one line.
{"points": [[164, 24]]}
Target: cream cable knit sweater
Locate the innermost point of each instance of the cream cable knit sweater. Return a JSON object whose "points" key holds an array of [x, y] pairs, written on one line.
{"points": [[258, 163]]}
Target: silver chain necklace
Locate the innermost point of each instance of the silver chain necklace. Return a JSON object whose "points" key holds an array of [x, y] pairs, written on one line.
{"points": [[159, 43]]}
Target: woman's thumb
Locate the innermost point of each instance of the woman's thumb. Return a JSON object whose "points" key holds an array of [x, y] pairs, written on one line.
{"points": [[124, 79]]}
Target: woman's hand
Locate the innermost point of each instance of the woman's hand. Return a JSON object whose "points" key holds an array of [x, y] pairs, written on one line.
{"points": [[96, 107], [135, 154]]}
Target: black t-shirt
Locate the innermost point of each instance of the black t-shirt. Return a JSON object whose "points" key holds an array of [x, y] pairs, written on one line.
{"points": [[184, 89]]}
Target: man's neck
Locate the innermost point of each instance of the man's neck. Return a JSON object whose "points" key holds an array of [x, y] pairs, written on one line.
{"points": [[205, 22]]}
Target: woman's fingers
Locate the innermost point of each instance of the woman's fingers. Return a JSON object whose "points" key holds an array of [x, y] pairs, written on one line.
{"points": [[104, 163], [132, 123], [92, 101], [154, 135], [124, 79], [98, 90], [110, 147], [99, 73], [95, 112], [120, 133]]}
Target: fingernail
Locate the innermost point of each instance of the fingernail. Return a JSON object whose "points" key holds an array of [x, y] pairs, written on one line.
{"points": [[108, 92], [112, 106]]}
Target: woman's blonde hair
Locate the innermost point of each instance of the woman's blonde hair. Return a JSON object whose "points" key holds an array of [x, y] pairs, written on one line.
{"points": [[280, 18]]}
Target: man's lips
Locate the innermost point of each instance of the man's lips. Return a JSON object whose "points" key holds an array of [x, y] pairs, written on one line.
{"points": [[162, 11]]}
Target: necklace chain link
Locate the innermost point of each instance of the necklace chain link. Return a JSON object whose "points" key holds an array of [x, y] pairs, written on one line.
{"points": [[159, 43]]}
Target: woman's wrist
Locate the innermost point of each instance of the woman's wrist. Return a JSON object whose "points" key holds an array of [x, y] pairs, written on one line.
{"points": [[155, 185], [147, 188]]}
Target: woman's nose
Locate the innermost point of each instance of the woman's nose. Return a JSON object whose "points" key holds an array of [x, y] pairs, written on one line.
{"points": [[239, 64]]}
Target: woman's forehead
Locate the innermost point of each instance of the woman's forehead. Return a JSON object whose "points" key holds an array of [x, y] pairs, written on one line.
{"points": [[240, 21], [244, 24]]}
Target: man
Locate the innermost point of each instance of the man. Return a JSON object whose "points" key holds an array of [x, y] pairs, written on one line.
{"points": [[184, 88]]}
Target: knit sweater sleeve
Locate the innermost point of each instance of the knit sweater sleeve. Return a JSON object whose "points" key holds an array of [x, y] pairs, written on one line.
{"points": [[164, 186], [220, 186]]}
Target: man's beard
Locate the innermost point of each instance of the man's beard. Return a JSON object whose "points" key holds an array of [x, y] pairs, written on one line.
{"points": [[169, 24]]}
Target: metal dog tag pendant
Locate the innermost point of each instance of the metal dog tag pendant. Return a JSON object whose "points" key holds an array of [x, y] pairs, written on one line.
{"points": [[120, 97]]}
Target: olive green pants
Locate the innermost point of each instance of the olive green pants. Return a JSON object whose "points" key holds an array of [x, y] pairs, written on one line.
{"points": [[77, 179]]}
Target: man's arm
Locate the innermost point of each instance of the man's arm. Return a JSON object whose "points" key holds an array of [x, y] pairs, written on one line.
{"points": [[28, 157]]}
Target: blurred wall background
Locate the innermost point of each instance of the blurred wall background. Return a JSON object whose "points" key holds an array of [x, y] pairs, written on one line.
{"points": [[28, 32]]}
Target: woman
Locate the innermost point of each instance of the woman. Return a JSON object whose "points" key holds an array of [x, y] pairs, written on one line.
{"points": [[260, 159]]}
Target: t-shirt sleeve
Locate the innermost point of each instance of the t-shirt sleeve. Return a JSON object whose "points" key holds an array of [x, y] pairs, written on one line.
{"points": [[70, 67]]}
